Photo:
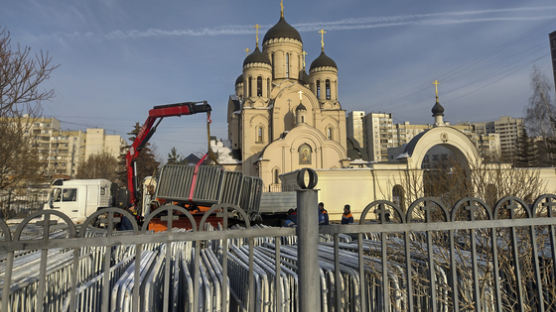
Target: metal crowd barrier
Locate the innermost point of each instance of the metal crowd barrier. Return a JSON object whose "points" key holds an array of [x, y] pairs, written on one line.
{"points": [[427, 258], [211, 185]]}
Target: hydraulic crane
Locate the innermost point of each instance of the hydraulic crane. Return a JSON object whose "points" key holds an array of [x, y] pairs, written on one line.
{"points": [[156, 114]]}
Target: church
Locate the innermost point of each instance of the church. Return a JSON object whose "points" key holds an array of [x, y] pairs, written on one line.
{"points": [[282, 118]]}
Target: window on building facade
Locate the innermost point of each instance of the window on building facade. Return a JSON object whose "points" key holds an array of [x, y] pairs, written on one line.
{"points": [[267, 87], [329, 133], [250, 86], [259, 134], [276, 176], [305, 154], [287, 65], [327, 84], [259, 86], [318, 89]]}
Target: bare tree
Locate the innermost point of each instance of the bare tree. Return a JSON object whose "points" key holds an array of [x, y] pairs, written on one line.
{"points": [[540, 116], [99, 166], [21, 77], [452, 180], [20, 162], [449, 182]]}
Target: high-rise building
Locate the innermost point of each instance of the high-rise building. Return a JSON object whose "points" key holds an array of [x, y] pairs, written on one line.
{"points": [[510, 130], [406, 131], [379, 135], [552, 38], [354, 125], [61, 151]]}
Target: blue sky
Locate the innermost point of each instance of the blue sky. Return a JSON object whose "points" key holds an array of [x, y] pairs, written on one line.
{"points": [[118, 58]]}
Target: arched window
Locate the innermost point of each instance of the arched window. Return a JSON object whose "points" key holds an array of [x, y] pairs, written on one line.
{"points": [[276, 176], [267, 87], [398, 196], [273, 67], [327, 89], [305, 154], [287, 65], [302, 119], [318, 89], [259, 134], [329, 133], [250, 86], [259, 86]]}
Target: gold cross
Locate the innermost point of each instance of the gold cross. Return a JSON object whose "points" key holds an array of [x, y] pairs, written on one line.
{"points": [[247, 51], [436, 83], [281, 8], [322, 32], [304, 54], [257, 26], [300, 95]]}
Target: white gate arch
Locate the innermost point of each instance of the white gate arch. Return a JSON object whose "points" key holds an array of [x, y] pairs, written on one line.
{"points": [[418, 147]]}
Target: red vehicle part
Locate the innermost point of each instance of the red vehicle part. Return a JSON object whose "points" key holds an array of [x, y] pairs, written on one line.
{"points": [[156, 114]]}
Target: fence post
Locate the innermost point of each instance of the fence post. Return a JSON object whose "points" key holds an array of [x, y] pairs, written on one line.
{"points": [[9, 205], [307, 241]]}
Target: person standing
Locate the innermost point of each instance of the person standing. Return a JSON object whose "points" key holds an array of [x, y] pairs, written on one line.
{"points": [[291, 219], [323, 215], [347, 217]]}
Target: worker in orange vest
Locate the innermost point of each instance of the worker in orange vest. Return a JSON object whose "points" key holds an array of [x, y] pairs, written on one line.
{"points": [[347, 217]]}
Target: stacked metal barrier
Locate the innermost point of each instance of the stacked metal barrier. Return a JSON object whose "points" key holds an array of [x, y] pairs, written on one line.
{"points": [[211, 185], [398, 265]]}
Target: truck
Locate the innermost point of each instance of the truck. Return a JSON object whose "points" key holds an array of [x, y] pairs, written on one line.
{"points": [[79, 198]]}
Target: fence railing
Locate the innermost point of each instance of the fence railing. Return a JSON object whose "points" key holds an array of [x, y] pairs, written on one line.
{"points": [[17, 203], [428, 258]]}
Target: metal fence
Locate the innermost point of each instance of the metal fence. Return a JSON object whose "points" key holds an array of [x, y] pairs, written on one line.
{"points": [[20, 202], [428, 258]]}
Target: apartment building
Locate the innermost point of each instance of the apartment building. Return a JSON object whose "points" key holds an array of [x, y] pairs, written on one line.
{"points": [[510, 130], [62, 151], [488, 143], [97, 142], [406, 131], [379, 135], [354, 125]]}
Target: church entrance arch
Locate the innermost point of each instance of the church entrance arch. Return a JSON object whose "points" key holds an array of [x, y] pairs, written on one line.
{"points": [[446, 157], [446, 173]]}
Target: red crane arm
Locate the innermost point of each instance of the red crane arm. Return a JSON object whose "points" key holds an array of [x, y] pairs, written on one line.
{"points": [[157, 113]]}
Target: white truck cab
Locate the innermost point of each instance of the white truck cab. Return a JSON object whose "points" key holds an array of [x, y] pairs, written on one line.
{"points": [[79, 199]]}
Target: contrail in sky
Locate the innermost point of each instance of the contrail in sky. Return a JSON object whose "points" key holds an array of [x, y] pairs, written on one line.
{"points": [[440, 18]]}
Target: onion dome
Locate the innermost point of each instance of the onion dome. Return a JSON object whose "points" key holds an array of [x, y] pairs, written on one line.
{"points": [[300, 107], [256, 57], [437, 110], [282, 30], [239, 79], [323, 61]]}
